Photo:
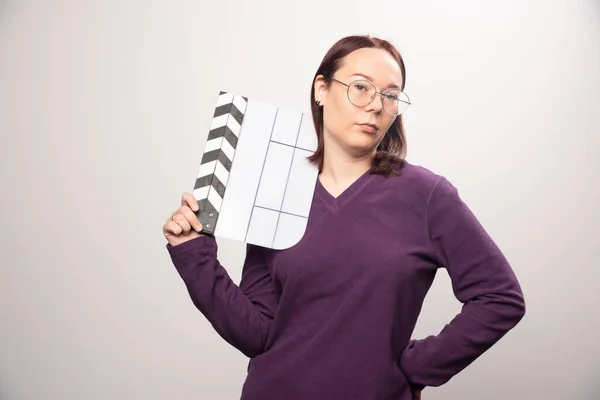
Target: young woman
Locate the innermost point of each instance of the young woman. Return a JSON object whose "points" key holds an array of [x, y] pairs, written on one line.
{"points": [[331, 318]]}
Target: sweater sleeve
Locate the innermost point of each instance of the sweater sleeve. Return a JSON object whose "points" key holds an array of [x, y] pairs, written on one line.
{"points": [[482, 280], [242, 315]]}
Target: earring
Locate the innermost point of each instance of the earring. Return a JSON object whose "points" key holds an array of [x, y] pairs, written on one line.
{"points": [[318, 103]]}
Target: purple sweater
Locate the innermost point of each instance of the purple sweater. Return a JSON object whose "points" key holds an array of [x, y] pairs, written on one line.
{"points": [[332, 317]]}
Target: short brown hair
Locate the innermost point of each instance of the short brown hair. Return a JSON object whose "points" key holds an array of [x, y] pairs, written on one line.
{"points": [[391, 152]]}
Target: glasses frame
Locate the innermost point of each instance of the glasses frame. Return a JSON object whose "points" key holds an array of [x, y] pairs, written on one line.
{"points": [[381, 94]]}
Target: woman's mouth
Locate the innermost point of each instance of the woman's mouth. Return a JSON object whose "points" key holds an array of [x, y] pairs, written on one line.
{"points": [[371, 128]]}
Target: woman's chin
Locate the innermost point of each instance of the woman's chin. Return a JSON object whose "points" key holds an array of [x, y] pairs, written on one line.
{"points": [[361, 147]]}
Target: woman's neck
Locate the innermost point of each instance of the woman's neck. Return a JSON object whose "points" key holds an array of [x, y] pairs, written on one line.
{"points": [[340, 170]]}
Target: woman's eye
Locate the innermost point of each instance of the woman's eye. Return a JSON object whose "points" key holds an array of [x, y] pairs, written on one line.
{"points": [[360, 87]]}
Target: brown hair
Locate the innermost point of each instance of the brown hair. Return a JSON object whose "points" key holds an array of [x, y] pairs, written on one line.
{"points": [[391, 152]]}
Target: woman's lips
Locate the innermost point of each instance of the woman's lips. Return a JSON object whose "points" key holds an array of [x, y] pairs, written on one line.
{"points": [[368, 128]]}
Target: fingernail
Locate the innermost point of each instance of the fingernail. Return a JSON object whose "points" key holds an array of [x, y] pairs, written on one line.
{"points": [[198, 228]]}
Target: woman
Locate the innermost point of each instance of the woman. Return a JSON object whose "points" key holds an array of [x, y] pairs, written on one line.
{"points": [[331, 318]]}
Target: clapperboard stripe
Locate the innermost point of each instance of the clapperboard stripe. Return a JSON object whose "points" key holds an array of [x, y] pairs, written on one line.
{"points": [[211, 182]]}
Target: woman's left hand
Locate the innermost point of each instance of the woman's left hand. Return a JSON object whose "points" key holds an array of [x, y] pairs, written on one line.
{"points": [[416, 393]]}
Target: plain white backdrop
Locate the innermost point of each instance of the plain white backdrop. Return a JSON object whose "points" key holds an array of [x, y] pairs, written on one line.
{"points": [[104, 111]]}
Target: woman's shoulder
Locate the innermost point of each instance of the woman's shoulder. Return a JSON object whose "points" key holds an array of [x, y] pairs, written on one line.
{"points": [[421, 184], [417, 177], [413, 184]]}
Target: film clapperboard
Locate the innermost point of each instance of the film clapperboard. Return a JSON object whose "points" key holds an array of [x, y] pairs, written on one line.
{"points": [[254, 183]]}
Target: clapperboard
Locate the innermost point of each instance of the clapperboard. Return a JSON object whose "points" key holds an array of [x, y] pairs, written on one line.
{"points": [[254, 183]]}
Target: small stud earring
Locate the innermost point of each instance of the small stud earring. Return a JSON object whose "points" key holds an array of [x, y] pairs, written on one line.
{"points": [[318, 103]]}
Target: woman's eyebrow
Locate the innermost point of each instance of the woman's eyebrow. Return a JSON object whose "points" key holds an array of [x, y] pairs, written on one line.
{"points": [[390, 86]]}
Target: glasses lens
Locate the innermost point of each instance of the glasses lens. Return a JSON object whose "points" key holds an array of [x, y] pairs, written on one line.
{"points": [[360, 93], [395, 102]]}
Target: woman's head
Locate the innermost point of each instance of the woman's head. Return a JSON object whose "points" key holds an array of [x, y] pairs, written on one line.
{"points": [[347, 119]]}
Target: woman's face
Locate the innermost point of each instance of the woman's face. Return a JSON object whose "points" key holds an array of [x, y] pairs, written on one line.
{"points": [[344, 126]]}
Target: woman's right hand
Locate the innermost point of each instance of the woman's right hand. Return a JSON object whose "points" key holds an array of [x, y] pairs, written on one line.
{"points": [[183, 225]]}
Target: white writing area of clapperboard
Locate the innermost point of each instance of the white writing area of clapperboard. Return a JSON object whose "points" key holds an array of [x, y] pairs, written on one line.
{"points": [[254, 183]]}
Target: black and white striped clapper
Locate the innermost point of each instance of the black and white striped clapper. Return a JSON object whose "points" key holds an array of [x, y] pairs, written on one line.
{"points": [[255, 183], [217, 160]]}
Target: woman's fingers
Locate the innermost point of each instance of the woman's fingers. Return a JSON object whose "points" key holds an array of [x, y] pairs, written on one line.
{"points": [[188, 199], [188, 218]]}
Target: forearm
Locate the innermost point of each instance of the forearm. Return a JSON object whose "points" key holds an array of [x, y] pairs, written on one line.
{"points": [[225, 305], [483, 321]]}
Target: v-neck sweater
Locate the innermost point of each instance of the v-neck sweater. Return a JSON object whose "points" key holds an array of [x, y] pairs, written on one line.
{"points": [[332, 317]]}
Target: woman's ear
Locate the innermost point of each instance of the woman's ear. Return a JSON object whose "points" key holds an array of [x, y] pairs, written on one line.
{"points": [[320, 89]]}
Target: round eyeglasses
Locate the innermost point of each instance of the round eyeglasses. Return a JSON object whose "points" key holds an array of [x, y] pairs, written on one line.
{"points": [[362, 92]]}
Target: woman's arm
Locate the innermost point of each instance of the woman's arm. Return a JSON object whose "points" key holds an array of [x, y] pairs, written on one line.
{"points": [[241, 315], [482, 280]]}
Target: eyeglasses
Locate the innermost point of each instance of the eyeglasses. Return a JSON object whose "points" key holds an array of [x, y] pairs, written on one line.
{"points": [[362, 92]]}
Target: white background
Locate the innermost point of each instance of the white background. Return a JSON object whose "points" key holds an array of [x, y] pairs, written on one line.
{"points": [[104, 110]]}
